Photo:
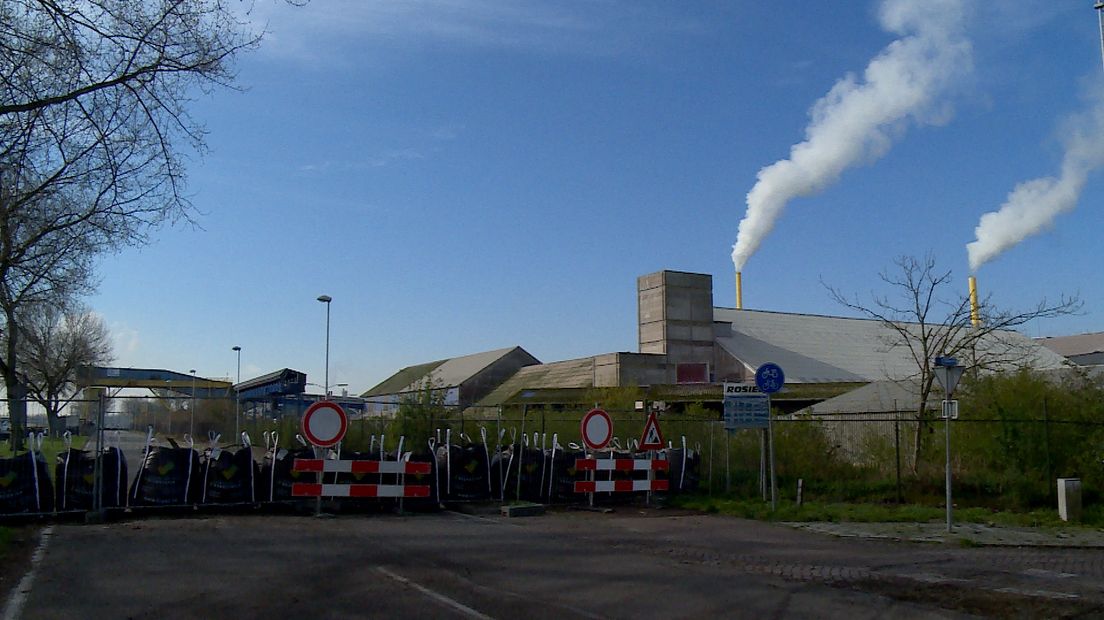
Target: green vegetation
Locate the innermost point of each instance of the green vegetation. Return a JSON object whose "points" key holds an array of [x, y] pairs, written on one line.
{"points": [[875, 513], [1016, 434], [51, 447]]}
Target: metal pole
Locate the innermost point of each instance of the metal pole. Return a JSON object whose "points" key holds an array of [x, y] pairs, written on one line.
{"points": [[326, 390], [1100, 17], [97, 486], [191, 410], [897, 446], [950, 507], [237, 400], [326, 299], [770, 442]]}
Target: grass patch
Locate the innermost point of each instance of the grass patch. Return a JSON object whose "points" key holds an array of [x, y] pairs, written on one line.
{"points": [[878, 513]]}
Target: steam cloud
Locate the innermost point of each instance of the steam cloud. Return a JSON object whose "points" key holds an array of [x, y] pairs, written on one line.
{"points": [[858, 120], [1032, 205]]}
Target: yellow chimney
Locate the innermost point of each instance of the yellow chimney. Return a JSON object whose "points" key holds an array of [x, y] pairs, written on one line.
{"points": [[975, 313], [739, 291]]}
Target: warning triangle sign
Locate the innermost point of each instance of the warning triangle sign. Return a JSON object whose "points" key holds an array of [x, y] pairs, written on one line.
{"points": [[652, 439]]}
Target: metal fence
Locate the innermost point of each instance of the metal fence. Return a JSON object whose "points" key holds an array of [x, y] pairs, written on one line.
{"points": [[113, 454]]}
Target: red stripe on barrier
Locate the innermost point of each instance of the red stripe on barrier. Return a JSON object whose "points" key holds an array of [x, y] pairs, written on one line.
{"points": [[419, 468], [659, 485], [306, 489], [363, 490], [585, 486], [307, 465], [622, 485]]}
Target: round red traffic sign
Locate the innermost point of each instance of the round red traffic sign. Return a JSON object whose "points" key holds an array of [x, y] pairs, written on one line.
{"points": [[597, 429], [325, 423]]}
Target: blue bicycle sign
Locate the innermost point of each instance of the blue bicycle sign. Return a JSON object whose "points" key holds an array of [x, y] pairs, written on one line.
{"points": [[770, 378]]}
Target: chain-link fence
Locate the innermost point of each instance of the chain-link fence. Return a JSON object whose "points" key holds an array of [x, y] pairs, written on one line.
{"points": [[145, 453]]}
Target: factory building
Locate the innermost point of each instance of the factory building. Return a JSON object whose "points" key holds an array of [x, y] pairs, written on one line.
{"points": [[458, 382], [688, 347], [1081, 349]]}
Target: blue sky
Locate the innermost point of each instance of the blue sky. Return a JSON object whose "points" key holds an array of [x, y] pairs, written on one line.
{"points": [[466, 175]]}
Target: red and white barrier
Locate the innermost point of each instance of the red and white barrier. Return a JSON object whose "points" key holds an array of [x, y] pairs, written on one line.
{"points": [[621, 486], [360, 467], [621, 465], [320, 466], [312, 489]]}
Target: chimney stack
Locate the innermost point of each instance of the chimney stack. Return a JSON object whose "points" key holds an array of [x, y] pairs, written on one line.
{"points": [[739, 291], [975, 313]]}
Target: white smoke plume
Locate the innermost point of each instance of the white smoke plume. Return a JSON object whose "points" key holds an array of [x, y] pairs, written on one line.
{"points": [[858, 119], [1032, 205]]}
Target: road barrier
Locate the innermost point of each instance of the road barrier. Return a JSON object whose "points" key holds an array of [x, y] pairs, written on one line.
{"points": [[322, 466], [621, 465]]}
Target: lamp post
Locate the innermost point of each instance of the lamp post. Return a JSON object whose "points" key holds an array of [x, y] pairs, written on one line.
{"points": [[191, 410], [326, 299], [948, 372], [168, 406], [237, 396]]}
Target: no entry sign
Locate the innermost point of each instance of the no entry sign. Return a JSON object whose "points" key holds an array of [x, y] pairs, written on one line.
{"points": [[596, 429], [324, 424]]}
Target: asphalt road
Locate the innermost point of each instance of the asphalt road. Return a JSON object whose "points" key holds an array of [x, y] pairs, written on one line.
{"points": [[629, 564]]}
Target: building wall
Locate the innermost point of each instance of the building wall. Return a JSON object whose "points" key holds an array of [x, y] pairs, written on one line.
{"points": [[675, 316], [624, 369]]}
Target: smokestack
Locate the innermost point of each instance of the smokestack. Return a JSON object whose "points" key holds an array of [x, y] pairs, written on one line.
{"points": [[739, 291], [975, 314]]}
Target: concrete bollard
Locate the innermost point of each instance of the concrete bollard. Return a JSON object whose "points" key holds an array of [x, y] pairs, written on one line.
{"points": [[1069, 499]]}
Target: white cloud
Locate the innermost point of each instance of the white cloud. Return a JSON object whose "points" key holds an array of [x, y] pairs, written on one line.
{"points": [[125, 340], [318, 29]]}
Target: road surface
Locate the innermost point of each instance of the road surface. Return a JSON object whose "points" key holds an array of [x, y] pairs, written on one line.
{"points": [[628, 564]]}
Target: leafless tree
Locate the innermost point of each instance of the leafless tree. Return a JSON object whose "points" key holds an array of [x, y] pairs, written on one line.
{"points": [[94, 127], [55, 343], [925, 319]]}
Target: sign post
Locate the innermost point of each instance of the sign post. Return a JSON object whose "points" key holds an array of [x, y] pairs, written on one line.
{"points": [[597, 430], [324, 425], [651, 440], [770, 379]]}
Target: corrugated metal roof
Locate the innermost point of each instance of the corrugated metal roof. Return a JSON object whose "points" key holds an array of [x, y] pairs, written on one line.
{"points": [[577, 373], [1078, 344], [443, 373], [877, 397], [819, 349], [400, 381]]}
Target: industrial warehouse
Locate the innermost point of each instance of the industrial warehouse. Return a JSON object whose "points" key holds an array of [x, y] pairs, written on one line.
{"points": [[688, 347]]}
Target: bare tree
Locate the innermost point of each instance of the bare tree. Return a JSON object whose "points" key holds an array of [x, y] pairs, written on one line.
{"points": [[93, 114], [922, 317], [55, 343]]}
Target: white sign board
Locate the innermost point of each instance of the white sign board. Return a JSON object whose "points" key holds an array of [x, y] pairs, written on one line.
{"points": [[596, 429], [745, 407]]}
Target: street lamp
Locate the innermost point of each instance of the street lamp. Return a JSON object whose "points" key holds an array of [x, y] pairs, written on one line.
{"points": [[237, 396], [191, 410], [326, 299], [948, 372]]}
